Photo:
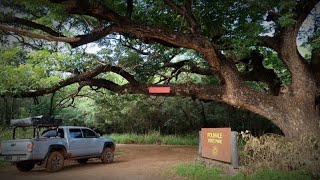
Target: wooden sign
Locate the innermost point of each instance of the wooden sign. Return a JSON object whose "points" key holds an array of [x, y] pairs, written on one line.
{"points": [[159, 90], [216, 143]]}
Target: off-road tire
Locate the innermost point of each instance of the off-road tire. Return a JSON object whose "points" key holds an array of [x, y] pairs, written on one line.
{"points": [[107, 155], [24, 167], [82, 161], [55, 161]]}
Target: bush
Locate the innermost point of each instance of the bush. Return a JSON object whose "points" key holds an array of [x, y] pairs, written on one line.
{"points": [[276, 152]]}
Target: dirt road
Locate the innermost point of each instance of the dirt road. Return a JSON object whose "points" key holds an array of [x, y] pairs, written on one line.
{"points": [[132, 162]]}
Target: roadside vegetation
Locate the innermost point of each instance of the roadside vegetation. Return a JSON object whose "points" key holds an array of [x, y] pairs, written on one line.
{"points": [[155, 138], [198, 171]]}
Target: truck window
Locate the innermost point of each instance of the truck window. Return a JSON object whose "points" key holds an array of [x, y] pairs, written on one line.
{"points": [[75, 133], [53, 133], [87, 133]]}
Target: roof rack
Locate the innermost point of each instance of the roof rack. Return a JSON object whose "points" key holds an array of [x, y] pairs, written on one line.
{"points": [[36, 121]]}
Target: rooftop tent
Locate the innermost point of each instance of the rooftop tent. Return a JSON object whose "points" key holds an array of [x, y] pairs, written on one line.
{"points": [[36, 121]]}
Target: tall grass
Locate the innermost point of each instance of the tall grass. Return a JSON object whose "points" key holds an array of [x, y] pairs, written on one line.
{"points": [[155, 138]]}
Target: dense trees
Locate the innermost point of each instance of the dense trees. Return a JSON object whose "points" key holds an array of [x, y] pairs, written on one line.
{"points": [[236, 45]]}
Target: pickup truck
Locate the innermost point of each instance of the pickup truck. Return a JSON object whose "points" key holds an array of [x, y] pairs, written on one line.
{"points": [[55, 144]]}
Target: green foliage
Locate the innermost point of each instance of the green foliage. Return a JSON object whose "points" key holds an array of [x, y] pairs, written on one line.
{"points": [[6, 133], [287, 20], [154, 138], [272, 61]]}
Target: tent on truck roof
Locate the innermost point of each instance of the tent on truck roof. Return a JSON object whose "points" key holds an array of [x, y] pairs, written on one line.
{"points": [[36, 121]]}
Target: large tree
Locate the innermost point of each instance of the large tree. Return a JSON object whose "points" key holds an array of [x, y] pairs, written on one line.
{"points": [[224, 39]]}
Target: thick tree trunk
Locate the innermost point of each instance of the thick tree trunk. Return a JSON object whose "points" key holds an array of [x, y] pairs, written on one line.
{"points": [[295, 124], [296, 117]]}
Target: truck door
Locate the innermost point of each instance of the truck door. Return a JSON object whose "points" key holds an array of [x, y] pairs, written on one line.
{"points": [[76, 143], [92, 142]]}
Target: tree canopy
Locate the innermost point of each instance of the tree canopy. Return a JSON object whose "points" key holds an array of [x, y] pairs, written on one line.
{"points": [[245, 52]]}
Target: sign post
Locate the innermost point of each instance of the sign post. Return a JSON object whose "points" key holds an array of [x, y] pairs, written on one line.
{"points": [[216, 144], [219, 144]]}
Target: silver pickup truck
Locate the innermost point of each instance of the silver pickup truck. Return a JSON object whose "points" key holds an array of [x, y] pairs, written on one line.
{"points": [[55, 144]]}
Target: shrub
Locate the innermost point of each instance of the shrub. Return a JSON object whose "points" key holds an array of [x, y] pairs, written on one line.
{"points": [[279, 153]]}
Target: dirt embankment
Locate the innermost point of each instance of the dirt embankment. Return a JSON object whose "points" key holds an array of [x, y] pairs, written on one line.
{"points": [[132, 162]]}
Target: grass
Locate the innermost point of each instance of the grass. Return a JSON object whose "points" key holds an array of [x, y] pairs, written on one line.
{"points": [[198, 171], [154, 138], [4, 164]]}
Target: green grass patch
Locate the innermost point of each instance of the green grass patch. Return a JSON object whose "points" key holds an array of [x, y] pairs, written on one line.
{"points": [[4, 164], [154, 138], [275, 175], [198, 171]]}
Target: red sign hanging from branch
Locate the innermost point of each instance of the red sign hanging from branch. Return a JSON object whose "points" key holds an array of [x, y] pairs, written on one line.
{"points": [[159, 90]]}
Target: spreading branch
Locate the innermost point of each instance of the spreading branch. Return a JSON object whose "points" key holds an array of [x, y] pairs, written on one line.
{"points": [[28, 23], [37, 35], [79, 78], [192, 67]]}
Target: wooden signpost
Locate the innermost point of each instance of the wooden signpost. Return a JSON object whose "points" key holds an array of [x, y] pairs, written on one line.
{"points": [[219, 144]]}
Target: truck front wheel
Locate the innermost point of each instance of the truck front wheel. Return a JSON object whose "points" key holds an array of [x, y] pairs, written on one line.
{"points": [[24, 167], [107, 155], [55, 161]]}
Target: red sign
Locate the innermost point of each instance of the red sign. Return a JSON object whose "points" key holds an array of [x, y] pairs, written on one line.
{"points": [[159, 90], [216, 143]]}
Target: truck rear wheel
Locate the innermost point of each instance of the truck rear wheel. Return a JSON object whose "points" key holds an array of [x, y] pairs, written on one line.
{"points": [[24, 167], [107, 155], [55, 161]]}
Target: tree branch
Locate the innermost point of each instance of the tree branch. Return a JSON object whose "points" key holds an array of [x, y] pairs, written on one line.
{"points": [[192, 67], [77, 79], [129, 8], [260, 73], [38, 36], [270, 42], [31, 24], [191, 90]]}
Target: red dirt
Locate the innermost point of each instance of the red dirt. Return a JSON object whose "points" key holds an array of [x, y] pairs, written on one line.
{"points": [[131, 162]]}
